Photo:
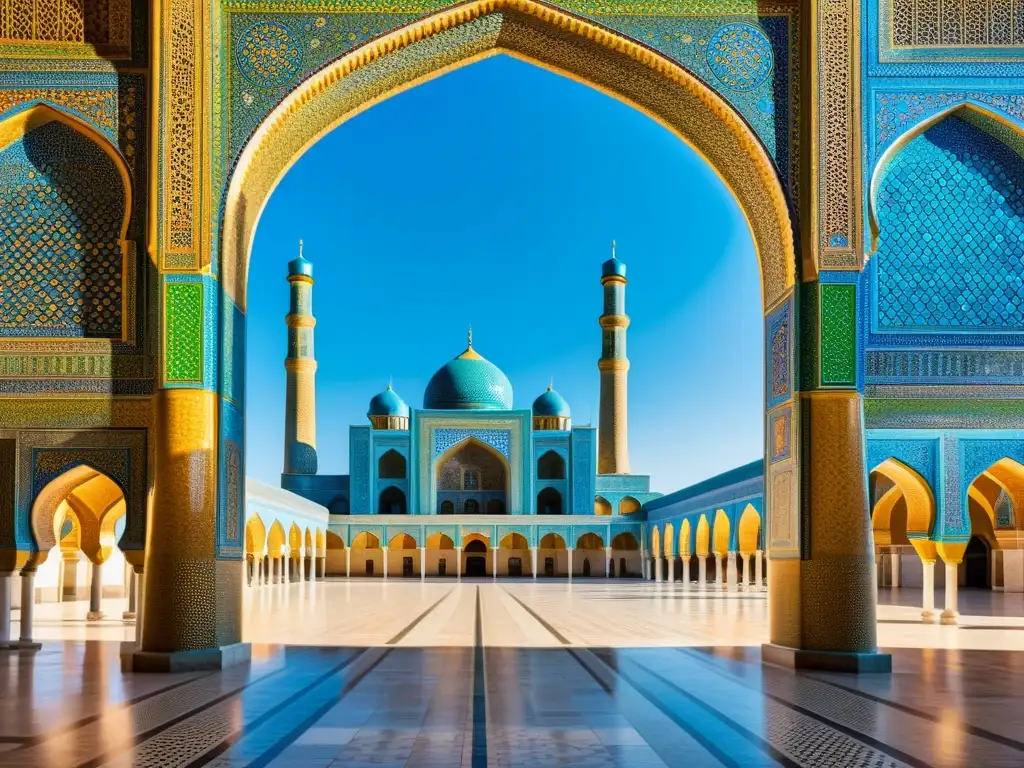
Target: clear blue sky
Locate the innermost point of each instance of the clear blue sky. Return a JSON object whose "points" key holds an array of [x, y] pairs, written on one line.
{"points": [[490, 196]]}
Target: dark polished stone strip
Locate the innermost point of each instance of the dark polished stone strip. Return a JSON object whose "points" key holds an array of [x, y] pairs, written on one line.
{"points": [[233, 738], [319, 712], [973, 730], [146, 735], [854, 734], [267, 757], [763, 745], [401, 635], [32, 741], [479, 754], [554, 632]]}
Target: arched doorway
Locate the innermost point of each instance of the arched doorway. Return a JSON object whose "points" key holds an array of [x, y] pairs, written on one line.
{"points": [[976, 564], [476, 558], [391, 501], [473, 477], [549, 502]]}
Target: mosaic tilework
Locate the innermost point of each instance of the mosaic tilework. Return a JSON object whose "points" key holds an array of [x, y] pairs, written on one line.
{"points": [[779, 435], [920, 455], [1004, 511], [184, 332], [838, 334], [777, 335], [951, 248], [897, 111], [98, 106], [954, 517], [955, 23], [62, 207], [740, 55], [499, 439], [269, 54]]}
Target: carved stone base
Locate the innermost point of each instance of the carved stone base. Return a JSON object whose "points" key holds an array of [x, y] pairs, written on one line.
{"points": [[186, 661], [94, 615], [831, 661]]}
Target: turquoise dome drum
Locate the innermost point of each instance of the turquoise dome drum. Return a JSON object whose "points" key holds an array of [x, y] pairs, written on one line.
{"points": [[388, 403], [469, 382], [551, 404]]}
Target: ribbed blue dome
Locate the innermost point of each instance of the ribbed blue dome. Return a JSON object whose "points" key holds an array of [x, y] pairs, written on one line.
{"points": [[613, 267], [469, 381], [388, 403], [551, 404]]}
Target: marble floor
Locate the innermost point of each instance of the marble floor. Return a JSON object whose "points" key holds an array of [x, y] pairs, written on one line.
{"points": [[516, 673]]}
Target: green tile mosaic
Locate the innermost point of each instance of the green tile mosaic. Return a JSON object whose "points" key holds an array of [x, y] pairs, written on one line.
{"points": [[183, 313], [838, 334]]}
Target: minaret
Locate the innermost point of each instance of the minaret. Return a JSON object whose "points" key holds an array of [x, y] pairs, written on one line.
{"points": [[612, 438], [300, 365]]}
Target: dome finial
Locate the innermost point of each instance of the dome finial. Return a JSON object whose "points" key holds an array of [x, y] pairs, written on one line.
{"points": [[551, 384], [470, 337], [300, 248], [613, 249]]}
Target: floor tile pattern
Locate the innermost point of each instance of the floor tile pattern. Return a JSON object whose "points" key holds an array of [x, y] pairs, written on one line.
{"points": [[514, 674]]}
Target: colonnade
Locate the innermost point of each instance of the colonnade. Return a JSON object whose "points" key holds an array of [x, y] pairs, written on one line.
{"points": [[727, 577], [286, 568], [930, 554]]}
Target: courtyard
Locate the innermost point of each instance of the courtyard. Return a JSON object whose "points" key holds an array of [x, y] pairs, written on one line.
{"points": [[519, 673]]}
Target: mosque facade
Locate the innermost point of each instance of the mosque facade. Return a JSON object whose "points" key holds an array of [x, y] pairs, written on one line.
{"points": [[469, 466]]}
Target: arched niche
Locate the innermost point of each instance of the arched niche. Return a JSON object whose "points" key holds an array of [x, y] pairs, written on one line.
{"points": [[917, 495], [65, 205]]}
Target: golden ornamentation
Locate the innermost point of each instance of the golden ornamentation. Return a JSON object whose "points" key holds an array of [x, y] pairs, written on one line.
{"points": [[540, 35]]}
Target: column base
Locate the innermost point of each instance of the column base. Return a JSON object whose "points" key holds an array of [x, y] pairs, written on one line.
{"points": [[830, 661], [94, 615], [128, 615], [929, 617], [949, 617], [134, 660], [24, 645]]}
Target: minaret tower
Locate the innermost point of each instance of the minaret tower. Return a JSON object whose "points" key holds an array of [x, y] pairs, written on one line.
{"points": [[300, 365], [612, 439]]}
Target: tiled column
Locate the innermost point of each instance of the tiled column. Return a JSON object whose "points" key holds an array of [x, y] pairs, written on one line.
{"points": [[423, 563], [730, 571], [5, 610], [458, 563], [607, 562], [656, 565], [702, 572], [95, 593], [951, 555], [570, 550], [385, 562], [28, 604], [533, 561]]}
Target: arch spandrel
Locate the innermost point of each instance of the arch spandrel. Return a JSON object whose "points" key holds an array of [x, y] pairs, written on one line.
{"points": [[546, 37]]}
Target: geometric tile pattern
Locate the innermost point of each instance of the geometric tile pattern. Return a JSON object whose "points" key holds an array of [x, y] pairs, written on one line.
{"points": [[184, 320], [498, 439], [62, 207], [951, 246], [955, 23], [838, 334]]}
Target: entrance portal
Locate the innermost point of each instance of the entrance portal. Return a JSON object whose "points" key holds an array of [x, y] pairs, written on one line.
{"points": [[515, 566], [976, 564], [476, 566]]}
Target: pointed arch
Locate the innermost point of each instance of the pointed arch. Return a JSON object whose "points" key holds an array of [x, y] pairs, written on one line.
{"points": [[514, 541], [551, 466], [1007, 475], [392, 501], [552, 541], [276, 539], [333, 541], [628, 506], [440, 541], [308, 539], [625, 541], [549, 502], [749, 533], [916, 493], [970, 111], [589, 541], [602, 506], [489, 454], [720, 533], [670, 540], [255, 535], [402, 541], [294, 539], [365, 540], [655, 542], [392, 466], [703, 536], [557, 40], [88, 493]]}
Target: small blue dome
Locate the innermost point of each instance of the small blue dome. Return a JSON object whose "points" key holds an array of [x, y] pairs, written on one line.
{"points": [[300, 266], [613, 267], [388, 403], [469, 382], [551, 404]]}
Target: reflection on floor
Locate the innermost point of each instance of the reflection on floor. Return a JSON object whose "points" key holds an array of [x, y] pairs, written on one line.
{"points": [[513, 674]]}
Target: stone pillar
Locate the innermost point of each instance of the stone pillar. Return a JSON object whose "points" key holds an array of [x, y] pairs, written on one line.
{"points": [[348, 564], [533, 561], [458, 563], [895, 559], [28, 603], [702, 572], [758, 569], [95, 593], [494, 566], [656, 565], [608, 562], [686, 571], [719, 572], [385, 563], [5, 610], [321, 564], [570, 550], [140, 587], [951, 554], [731, 575], [670, 570], [133, 582], [926, 551], [645, 566], [423, 563]]}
